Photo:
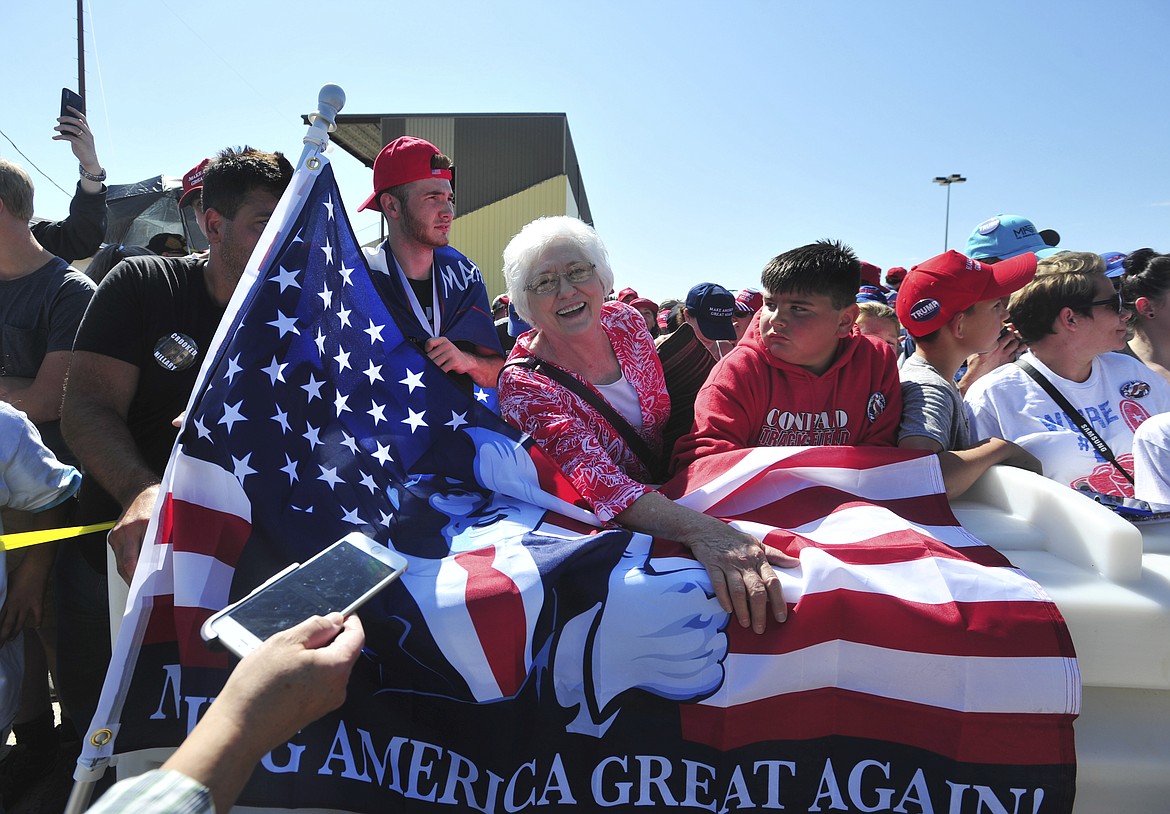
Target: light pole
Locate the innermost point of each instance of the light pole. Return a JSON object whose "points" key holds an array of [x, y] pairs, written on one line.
{"points": [[953, 178]]}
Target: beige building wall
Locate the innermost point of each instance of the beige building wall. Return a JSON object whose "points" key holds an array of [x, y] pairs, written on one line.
{"points": [[483, 234]]}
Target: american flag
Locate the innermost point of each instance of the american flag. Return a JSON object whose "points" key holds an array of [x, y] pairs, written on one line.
{"points": [[943, 644], [523, 632]]}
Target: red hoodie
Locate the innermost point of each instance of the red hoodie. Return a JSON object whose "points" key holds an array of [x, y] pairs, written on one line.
{"points": [[753, 399]]}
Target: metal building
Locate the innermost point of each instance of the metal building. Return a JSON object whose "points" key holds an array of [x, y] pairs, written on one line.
{"points": [[510, 168]]}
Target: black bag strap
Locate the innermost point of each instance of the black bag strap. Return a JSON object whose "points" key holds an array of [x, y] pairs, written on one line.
{"points": [[653, 463], [1081, 423]]}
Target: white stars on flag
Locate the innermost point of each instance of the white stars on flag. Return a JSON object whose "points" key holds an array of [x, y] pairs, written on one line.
{"points": [[240, 467], [413, 380], [329, 475], [275, 371], [233, 368], [281, 418], [414, 420], [285, 279], [375, 332], [382, 453], [286, 325], [320, 397], [312, 387], [457, 420], [231, 415]]}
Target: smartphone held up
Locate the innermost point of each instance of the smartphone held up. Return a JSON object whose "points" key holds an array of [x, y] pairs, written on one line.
{"points": [[71, 99], [341, 579]]}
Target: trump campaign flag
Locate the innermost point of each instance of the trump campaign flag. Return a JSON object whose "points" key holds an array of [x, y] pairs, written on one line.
{"points": [[530, 659]]}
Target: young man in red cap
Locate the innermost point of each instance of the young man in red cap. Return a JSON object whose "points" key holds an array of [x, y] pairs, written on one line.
{"points": [[954, 307], [435, 294]]}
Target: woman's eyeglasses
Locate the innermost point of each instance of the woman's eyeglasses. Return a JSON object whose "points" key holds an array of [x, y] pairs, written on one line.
{"points": [[551, 282]]}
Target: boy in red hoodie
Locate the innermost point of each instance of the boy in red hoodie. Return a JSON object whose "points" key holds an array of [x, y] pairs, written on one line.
{"points": [[801, 376]]}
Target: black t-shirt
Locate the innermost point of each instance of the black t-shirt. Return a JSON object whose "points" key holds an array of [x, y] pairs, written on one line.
{"points": [[424, 292], [156, 314]]}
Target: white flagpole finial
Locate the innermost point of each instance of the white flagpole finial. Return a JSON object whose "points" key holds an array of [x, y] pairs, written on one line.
{"points": [[330, 100]]}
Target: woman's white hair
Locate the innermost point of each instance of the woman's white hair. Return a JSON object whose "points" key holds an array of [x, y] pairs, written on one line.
{"points": [[524, 251]]}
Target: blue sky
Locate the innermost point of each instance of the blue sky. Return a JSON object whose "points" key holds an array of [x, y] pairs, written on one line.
{"points": [[711, 136]]}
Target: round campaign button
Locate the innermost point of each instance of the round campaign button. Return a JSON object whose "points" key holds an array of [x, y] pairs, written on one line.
{"points": [[925, 310], [988, 226], [176, 351]]}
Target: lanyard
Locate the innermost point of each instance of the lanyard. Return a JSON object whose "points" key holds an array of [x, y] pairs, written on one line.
{"points": [[1079, 420], [436, 320]]}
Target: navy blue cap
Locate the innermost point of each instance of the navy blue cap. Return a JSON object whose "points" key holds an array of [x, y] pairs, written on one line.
{"points": [[712, 306]]}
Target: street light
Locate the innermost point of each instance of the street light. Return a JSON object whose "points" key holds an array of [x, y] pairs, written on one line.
{"points": [[953, 178]]}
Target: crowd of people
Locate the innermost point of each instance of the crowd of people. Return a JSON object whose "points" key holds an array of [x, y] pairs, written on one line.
{"points": [[1015, 353], [1012, 352], [968, 333]]}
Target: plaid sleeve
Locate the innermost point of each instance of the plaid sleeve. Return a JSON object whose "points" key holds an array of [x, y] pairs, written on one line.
{"points": [[161, 791]]}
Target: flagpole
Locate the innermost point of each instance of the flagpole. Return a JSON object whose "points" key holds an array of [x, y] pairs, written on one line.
{"points": [[96, 752], [330, 100]]}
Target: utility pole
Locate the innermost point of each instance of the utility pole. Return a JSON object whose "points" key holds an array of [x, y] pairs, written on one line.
{"points": [[81, 48], [946, 181]]}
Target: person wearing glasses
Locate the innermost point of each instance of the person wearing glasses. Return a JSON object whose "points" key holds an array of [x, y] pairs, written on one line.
{"points": [[1073, 322], [586, 384]]}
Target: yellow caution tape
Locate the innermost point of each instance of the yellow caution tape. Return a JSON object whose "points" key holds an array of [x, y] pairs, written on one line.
{"points": [[26, 538]]}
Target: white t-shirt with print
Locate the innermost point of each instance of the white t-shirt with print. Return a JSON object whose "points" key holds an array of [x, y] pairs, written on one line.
{"points": [[1118, 396]]}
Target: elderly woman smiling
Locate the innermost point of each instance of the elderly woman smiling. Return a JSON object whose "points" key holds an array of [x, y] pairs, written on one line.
{"points": [[558, 273]]}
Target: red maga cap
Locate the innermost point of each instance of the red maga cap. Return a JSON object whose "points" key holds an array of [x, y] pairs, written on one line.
{"points": [[193, 182], [871, 274], [644, 303], [401, 161], [748, 301], [895, 276], [937, 289]]}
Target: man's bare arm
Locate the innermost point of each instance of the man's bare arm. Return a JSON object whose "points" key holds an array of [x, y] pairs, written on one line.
{"points": [[93, 421], [961, 468], [39, 398]]}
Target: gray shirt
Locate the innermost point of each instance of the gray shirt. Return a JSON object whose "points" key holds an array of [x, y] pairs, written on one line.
{"points": [[932, 406], [39, 314]]}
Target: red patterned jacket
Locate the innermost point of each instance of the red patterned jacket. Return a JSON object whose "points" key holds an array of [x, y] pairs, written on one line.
{"points": [[586, 447]]}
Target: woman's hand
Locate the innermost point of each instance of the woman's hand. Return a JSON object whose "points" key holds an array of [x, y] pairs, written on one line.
{"points": [[739, 565]]}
